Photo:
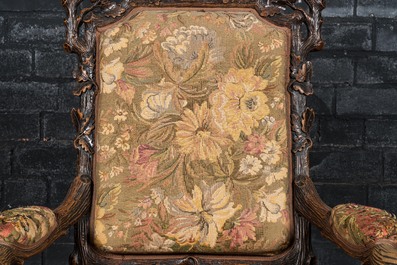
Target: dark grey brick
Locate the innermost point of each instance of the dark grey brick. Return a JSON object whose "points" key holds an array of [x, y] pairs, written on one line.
{"points": [[20, 127], [44, 159], [339, 8], [31, 5], [333, 70], [315, 131], [5, 161], [15, 63], [58, 126], [322, 100], [59, 189], [381, 132], [28, 30], [52, 64], [30, 96], [25, 191], [1, 29], [377, 69], [329, 254], [334, 194], [58, 254], [377, 8], [68, 238], [366, 101], [35, 260], [336, 132], [67, 99], [386, 36], [347, 36], [390, 167], [346, 167], [384, 197]]}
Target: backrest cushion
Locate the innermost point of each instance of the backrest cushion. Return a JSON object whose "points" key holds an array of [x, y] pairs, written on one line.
{"points": [[192, 134]]}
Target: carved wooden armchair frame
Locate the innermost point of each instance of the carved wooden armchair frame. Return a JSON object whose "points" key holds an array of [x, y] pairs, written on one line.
{"points": [[304, 20]]}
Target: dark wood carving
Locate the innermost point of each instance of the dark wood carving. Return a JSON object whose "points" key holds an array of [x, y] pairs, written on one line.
{"points": [[289, 13], [75, 205], [303, 17]]}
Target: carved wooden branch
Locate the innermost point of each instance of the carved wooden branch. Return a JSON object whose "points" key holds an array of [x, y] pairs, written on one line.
{"points": [[309, 204], [76, 204]]}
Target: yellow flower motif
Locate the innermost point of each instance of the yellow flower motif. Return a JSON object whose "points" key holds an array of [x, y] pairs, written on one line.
{"points": [[111, 43], [239, 103], [200, 218], [110, 73], [122, 142], [115, 171], [271, 204], [197, 135], [105, 152], [120, 115], [147, 36], [242, 21], [275, 44], [250, 165], [277, 175], [271, 153], [107, 129], [154, 104], [100, 237]]}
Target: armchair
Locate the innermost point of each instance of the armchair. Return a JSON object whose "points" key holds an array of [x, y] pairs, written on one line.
{"points": [[193, 140]]}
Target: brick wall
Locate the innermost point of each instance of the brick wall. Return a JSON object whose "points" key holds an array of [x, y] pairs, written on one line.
{"points": [[355, 153]]}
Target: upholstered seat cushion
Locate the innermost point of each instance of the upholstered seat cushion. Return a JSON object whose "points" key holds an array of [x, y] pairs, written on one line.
{"points": [[192, 134], [26, 226], [362, 224]]}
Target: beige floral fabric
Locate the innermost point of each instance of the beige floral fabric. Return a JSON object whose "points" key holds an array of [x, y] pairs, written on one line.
{"points": [[192, 134], [26, 226], [363, 225]]}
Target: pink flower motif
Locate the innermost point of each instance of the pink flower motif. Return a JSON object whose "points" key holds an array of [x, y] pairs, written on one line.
{"points": [[243, 229], [141, 167], [6, 230], [120, 234], [255, 144], [145, 203], [145, 151]]}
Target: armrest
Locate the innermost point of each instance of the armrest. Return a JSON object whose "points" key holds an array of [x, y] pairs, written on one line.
{"points": [[344, 225], [55, 223]]}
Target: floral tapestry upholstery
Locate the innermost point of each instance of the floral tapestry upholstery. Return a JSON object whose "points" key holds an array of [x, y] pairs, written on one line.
{"points": [[362, 224], [26, 226], [192, 134]]}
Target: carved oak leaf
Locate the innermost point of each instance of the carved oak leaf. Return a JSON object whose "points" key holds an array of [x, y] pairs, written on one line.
{"points": [[305, 88], [270, 11], [76, 116], [82, 89], [308, 119], [112, 9], [85, 143], [302, 72], [84, 127]]}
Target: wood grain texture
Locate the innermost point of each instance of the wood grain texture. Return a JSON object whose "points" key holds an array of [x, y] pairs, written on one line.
{"points": [[75, 205]]}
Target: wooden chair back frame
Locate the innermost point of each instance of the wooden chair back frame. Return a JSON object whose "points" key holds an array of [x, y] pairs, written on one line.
{"points": [[304, 20]]}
